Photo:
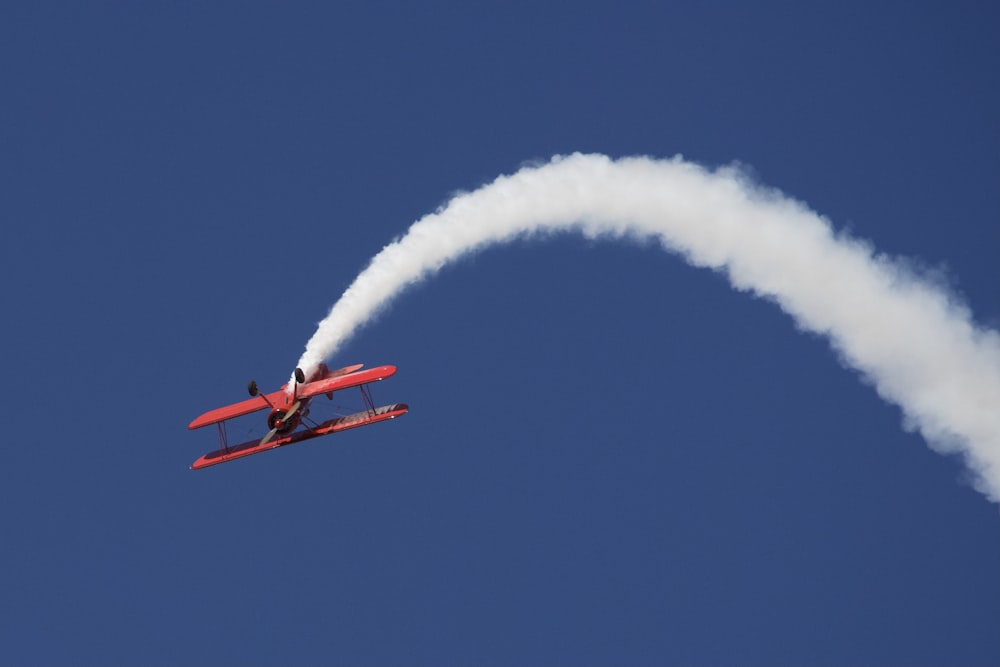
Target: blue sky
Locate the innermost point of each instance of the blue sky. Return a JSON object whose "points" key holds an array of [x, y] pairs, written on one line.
{"points": [[611, 457]]}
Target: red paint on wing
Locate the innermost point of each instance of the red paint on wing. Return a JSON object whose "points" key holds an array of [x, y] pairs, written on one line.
{"points": [[383, 413], [345, 381], [342, 378], [278, 398]]}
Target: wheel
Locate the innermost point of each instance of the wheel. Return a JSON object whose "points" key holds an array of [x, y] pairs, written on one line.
{"points": [[300, 377], [252, 388]]}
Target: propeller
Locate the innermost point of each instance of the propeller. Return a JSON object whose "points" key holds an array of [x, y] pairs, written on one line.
{"points": [[299, 377], [270, 434], [284, 420]]}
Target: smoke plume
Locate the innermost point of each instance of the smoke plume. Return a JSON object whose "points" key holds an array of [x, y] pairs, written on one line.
{"points": [[915, 342]]}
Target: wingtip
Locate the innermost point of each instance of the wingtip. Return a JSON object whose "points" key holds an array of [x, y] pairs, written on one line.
{"points": [[197, 423]]}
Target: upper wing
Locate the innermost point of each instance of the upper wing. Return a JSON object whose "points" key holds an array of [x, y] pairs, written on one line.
{"points": [[346, 381], [282, 398], [230, 411], [344, 371]]}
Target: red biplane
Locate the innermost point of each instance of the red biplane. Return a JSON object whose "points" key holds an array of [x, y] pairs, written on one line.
{"points": [[290, 409]]}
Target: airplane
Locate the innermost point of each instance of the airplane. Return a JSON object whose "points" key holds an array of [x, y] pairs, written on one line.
{"points": [[290, 409]]}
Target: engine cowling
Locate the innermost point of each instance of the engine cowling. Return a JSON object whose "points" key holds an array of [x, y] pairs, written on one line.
{"points": [[276, 420]]}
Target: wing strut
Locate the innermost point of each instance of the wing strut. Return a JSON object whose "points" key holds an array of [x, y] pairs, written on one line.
{"points": [[223, 436], [366, 396]]}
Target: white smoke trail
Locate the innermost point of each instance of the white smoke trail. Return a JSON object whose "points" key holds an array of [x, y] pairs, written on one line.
{"points": [[914, 341]]}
